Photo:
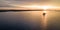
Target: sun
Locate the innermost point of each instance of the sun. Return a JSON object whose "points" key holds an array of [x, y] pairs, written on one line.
{"points": [[45, 7]]}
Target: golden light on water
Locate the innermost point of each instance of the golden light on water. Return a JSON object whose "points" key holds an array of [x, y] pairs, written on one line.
{"points": [[44, 20]]}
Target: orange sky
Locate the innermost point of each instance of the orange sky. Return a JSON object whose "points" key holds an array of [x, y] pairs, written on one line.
{"points": [[12, 4]]}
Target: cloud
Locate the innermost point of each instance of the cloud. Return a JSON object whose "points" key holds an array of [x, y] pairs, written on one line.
{"points": [[4, 4]]}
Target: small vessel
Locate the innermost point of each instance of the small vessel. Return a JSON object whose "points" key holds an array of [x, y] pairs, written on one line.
{"points": [[44, 14]]}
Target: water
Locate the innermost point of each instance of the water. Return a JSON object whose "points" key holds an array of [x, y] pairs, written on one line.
{"points": [[30, 20]]}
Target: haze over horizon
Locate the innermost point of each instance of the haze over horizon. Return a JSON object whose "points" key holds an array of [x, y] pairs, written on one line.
{"points": [[18, 3]]}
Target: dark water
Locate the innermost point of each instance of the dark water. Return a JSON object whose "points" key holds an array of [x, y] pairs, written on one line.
{"points": [[29, 20]]}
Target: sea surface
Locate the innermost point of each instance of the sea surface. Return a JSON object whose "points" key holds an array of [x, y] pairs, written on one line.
{"points": [[30, 20]]}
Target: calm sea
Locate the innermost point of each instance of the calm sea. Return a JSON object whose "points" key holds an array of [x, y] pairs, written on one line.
{"points": [[30, 20]]}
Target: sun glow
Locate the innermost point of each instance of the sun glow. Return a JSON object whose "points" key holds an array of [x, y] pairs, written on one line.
{"points": [[35, 7], [38, 7], [45, 7]]}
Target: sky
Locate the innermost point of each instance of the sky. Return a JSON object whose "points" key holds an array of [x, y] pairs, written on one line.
{"points": [[16, 3]]}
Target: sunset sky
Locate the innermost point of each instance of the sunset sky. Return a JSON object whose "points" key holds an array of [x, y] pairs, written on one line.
{"points": [[19, 3]]}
